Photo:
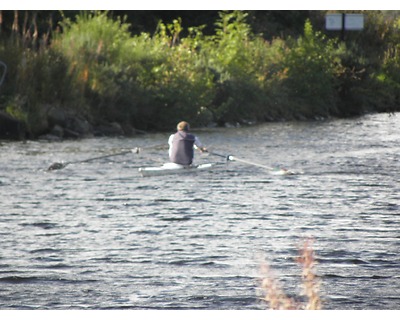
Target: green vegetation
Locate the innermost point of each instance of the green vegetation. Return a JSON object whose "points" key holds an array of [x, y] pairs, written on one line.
{"points": [[98, 71]]}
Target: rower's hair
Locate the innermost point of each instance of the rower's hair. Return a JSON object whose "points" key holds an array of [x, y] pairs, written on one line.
{"points": [[183, 126]]}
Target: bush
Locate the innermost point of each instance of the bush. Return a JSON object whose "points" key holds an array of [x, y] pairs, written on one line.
{"points": [[235, 57], [150, 82], [95, 46], [313, 64], [35, 80], [177, 84], [388, 79]]}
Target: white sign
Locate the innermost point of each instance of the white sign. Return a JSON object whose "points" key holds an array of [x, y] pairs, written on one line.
{"points": [[353, 21], [333, 21]]}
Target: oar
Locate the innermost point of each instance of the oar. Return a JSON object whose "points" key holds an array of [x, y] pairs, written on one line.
{"points": [[61, 165], [217, 154], [232, 158]]}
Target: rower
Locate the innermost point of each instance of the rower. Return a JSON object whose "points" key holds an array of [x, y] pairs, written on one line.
{"points": [[182, 145]]}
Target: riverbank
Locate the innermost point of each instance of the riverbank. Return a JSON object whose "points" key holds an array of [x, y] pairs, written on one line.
{"points": [[96, 78], [59, 125]]}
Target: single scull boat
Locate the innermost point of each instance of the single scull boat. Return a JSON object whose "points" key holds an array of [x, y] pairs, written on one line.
{"points": [[173, 168]]}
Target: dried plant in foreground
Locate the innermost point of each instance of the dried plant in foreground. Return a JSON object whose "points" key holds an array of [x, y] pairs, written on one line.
{"points": [[275, 295], [311, 282]]}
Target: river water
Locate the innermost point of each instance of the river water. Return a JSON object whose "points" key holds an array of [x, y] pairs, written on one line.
{"points": [[97, 235]]}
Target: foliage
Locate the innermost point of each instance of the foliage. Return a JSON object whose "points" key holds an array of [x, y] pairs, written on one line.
{"points": [[313, 63], [97, 69], [151, 81], [388, 78], [178, 85], [35, 79], [95, 47], [241, 64]]}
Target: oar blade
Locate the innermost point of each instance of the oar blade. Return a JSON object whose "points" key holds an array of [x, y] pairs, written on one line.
{"points": [[281, 172], [57, 166]]}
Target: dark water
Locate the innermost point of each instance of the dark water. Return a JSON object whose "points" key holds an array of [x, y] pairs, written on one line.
{"points": [[98, 236]]}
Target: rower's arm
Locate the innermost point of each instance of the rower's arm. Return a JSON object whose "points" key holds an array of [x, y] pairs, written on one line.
{"points": [[199, 145]]}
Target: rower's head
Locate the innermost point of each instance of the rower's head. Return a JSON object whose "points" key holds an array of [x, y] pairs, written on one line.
{"points": [[183, 126]]}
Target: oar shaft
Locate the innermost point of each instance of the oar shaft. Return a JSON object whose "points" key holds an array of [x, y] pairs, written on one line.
{"points": [[218, 154], [103, 157], [58, 166], [232, 158]]}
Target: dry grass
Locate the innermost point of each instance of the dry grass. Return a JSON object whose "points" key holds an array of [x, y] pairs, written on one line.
{"points": [[274, 294]]}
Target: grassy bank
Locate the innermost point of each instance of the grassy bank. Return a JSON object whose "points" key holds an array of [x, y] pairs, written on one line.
{"points": [[97, 71]]}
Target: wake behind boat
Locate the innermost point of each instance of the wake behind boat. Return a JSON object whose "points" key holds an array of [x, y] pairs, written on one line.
{"points": [[173, 168]]}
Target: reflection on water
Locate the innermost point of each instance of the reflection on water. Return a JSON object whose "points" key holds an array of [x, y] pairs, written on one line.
{"points": [[99, 236]]}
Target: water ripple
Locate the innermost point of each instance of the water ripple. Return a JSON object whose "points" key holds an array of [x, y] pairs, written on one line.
{"points": [[100, 236]]}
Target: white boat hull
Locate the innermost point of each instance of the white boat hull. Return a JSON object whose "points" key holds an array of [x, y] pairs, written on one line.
{"points": [[173, 168]]}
